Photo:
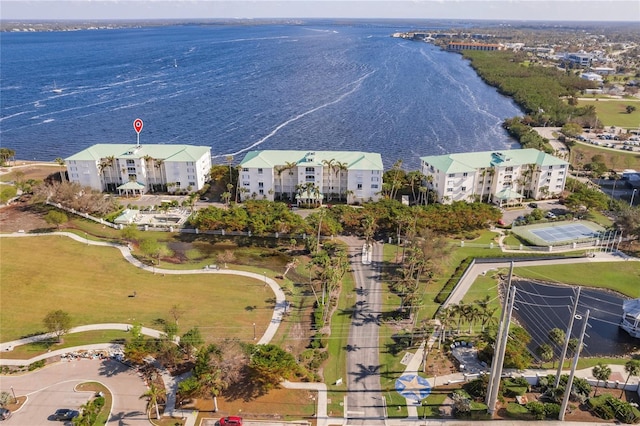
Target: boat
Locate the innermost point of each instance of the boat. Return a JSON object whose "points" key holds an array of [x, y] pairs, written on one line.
{"points": [[175, 63], [55, 88]]}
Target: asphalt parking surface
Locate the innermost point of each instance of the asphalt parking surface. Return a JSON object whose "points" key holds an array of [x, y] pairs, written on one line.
{"points": [[52, 388]]}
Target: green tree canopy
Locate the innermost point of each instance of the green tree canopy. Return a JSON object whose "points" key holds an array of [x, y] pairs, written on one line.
{"points": [[270, 364], [57, 322]]}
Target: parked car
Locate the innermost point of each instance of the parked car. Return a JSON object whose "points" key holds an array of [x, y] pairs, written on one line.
{"points": [[533, 205], [65, 414], [4, 414], [551, 215], [230, 421]]}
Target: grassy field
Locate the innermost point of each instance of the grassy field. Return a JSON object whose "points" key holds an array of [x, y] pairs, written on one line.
{"points": [[622, 277], [612, 112], [614, 159], [93, 285]]}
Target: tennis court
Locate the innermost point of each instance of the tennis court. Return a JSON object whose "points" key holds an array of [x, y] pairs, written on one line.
{"points": [[552, 233]]}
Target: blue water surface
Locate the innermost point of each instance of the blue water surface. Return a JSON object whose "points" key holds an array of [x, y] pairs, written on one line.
{"points": [[241, 87]]}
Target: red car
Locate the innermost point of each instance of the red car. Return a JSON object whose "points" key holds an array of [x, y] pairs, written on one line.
{"points": [[231, 421]]}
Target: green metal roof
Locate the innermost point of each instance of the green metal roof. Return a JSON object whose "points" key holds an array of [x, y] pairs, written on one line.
{"points": [[471, 161], [355, 160], [160, 152]]}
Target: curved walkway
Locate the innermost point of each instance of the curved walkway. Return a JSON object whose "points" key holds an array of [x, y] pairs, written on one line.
{"points": [[171, 385], [278, 312]]}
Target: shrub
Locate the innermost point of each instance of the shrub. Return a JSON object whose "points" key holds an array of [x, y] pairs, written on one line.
{"points": [[517, 411], [536, 409], [36, 365], [551, 410]]}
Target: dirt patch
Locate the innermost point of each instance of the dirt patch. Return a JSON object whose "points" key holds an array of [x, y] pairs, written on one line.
{"points": [[22, 216]]}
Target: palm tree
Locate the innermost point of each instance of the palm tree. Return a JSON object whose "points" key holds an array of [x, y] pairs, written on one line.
{"points": [[154, 393], [632, 367], [60, 162], [279, 170], [557, 337], [429, 180], [148, 160], [545, 352], [601, 372], [329, 165], [340, 167]]}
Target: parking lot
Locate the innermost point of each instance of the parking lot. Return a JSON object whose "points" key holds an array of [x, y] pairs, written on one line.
{"points": [[52, 388]]}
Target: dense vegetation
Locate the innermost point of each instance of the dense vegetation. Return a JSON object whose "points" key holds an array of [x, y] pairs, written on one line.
{"points": [[537, 89]]}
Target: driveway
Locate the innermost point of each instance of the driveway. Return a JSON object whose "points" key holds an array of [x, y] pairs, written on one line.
{"points": [[53, 387]]}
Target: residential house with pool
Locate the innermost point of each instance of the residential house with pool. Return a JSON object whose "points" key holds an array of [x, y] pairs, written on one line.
{"points": [[311, 177], [138, 169], [499, 177]]}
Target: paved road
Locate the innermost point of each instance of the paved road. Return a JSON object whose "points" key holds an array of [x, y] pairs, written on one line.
{"points": [[53, 387], [365, 405]]}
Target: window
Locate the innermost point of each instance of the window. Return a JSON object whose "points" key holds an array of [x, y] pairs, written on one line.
{"points": [[549, 174], [450, 182], [508, 169], [310, 178], [191, 170], [189, 163], [191, 177], [245, 183], [359, 186], [550, 167], [465, 174], [261, 191], [449, 189], [562, 166], [244, 169], [452, 175], [130, 163], [561, 173], [375, 179], [374, 186], [375, 172], [558, 186], [559, 180], [259, 171], [310, 170], [192, 184], [548, 180], [464, 188], [508, 177], [177, 184], [260, 184], [131, 170]]}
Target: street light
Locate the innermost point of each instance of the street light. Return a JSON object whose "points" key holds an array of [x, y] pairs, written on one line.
{"points": [[15, 400], [254, 331], [633, 194]]}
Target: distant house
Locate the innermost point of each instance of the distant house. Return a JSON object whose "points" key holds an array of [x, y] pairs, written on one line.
{"points": [[138, 169], [591, 76], [631, 317], [581, 59], [311, 176], [502, 178]]}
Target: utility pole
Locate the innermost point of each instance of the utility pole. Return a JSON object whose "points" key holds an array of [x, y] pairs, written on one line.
{"points": [[574, 365], [499, 350], [567, 337]]}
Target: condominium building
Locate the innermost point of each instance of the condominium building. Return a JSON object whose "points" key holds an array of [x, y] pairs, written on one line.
{"points": [[502, 178], [311, 177], [138, 169]]}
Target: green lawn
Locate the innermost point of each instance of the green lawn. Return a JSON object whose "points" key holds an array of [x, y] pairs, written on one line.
{"points": [[612, 112], [622, 277], [70, 340], [93, 285]]}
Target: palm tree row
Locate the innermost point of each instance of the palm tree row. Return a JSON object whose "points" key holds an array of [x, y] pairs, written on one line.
{"points": [[453, 317]]}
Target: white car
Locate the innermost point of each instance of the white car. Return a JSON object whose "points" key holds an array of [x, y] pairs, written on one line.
{"points": [[551, 215]]}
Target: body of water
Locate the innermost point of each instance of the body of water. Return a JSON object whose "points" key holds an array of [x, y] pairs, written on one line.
{"points": [[237, 88], [540, 307]]}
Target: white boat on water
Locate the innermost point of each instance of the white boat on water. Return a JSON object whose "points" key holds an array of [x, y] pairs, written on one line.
{"points": [[55, 88]]}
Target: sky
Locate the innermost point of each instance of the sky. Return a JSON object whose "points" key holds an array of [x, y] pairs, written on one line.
{"points": [[528, 10]]}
